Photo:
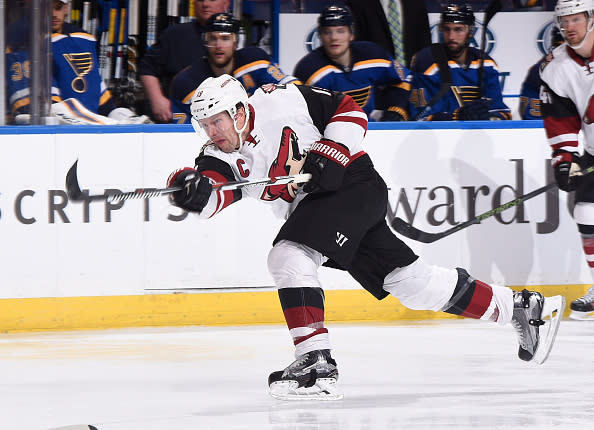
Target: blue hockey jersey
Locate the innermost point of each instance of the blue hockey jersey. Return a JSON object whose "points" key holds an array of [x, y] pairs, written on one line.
{"points": [[371, 69], [252, 67], [75, 73], [464, 88], [529, 107]]}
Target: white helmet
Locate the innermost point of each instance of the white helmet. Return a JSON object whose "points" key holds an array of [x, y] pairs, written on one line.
{"points": [[216, 95], [572, 7]]}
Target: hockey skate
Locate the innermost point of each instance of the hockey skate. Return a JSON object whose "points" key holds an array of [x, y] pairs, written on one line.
{"points": [[536, 320], [583, 308], [311, 377]]}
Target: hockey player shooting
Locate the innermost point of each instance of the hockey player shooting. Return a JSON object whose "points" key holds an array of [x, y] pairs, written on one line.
{"points": [[568, 108], [337, 219]]}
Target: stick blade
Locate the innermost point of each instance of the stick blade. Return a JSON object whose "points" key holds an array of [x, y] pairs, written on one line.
{"points": [[407, 230], [72, 188]]}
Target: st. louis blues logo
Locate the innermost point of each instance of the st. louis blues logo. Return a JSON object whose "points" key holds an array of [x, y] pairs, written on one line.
{"points": [[475, 41], [544, 40]]}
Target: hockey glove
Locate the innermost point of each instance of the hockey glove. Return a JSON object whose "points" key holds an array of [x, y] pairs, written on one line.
{"points": [[391, 115], [567, 169], [326, 161], [473, 111], [196, 189]]}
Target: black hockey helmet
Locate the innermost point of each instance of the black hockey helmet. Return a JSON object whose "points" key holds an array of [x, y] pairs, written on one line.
{"points": [[223, 23], [335, 15], [457, 13], [556, 37]]}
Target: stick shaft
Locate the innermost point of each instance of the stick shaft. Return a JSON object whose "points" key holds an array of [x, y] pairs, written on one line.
{"points": [[407, 230], [75, 193]]}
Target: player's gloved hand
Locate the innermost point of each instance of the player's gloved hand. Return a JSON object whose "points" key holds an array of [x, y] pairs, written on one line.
{"points": [[473, 111], [567, 169], [196, 189], [326, 161], [390, 115]]}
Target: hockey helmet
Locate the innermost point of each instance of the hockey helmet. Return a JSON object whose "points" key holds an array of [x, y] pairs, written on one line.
{"points": [[571, 7], [215, 95], [222, 23], [457, 13], [556, 36], [334, 16]]}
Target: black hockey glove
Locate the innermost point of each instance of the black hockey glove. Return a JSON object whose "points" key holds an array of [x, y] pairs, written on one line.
{"points": [[473, 111], [196, 189], [567, 169], [390, 115], [326, 161]]}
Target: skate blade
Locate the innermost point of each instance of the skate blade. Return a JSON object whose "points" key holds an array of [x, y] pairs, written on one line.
{"points": [[551, 314], [324, 389], [581, 316]]}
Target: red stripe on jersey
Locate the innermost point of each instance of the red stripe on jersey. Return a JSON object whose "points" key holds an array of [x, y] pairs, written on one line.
{"points": [[588, 245], [559, 126], [225, 198], [304, 316], [481, 299], [349, 106], [298, 340]]}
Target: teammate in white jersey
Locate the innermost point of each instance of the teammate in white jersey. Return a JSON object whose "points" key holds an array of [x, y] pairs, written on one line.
{"points": [[568, 107], [337, 219]]}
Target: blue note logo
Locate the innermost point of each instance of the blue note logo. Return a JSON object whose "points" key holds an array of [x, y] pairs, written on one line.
{"points": [[312, 41], [544, 40]]}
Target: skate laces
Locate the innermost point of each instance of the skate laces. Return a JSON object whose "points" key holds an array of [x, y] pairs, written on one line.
{"points": [[520, 331]]}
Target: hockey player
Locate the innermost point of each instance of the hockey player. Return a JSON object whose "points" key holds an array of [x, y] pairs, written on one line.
{"points": [[463, 63], [251, 65], [337, 219], [178, 45], [529, 107], [357, 68], [568, 108], [79, 95]]}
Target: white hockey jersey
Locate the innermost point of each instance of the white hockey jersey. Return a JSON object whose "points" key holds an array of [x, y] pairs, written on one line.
{"points": [[566, 95], [285, 121]]}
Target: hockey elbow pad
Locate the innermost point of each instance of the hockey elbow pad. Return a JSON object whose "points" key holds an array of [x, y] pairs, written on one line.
{"points": [[567, 169], [326, 161], [195, 190]]}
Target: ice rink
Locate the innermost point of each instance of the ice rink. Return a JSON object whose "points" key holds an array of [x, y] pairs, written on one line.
{"points": [[423, 375]]}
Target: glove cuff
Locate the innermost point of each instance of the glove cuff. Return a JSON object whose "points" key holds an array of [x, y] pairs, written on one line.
{"points": [[175, 174], [333, 151], [562, 156]]}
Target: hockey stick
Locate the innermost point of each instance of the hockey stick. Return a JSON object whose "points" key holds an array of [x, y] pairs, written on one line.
{"points": [[443, 89], [407, 230], [493, 7], [75, 193], [446, 80]]}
